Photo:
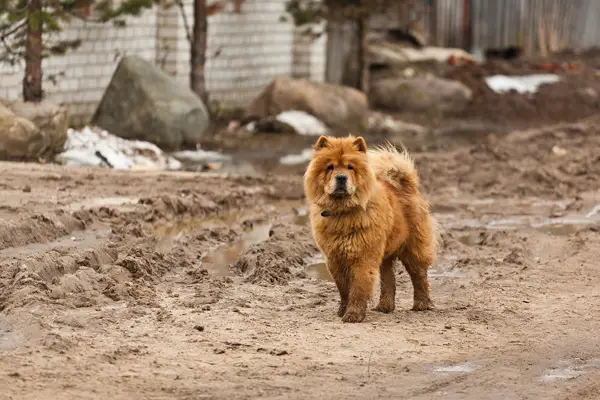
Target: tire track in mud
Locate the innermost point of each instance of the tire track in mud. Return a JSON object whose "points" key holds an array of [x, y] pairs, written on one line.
{"points": [[200, 286], [124, 245]]}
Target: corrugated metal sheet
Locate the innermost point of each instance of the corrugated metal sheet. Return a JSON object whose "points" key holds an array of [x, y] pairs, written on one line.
{"points": [[538, 26], [531, 24], [587, 29]]}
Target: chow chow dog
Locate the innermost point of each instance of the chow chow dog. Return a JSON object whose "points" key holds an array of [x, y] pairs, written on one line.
{"points": [[366, 211]]}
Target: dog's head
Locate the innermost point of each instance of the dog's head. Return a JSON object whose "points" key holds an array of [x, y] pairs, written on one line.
{"points": [[339, 175]]}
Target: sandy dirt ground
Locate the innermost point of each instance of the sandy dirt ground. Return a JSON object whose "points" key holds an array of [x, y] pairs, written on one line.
{"points": [[147, 285]]}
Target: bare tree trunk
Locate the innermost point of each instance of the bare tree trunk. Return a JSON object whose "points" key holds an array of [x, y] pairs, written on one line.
{"points": [[198, 56], [363, 55], [32, 82]]}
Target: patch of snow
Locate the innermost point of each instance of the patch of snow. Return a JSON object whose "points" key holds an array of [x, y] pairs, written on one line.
{"points": [[95, 147], [303, 123], [295, 159], [522, 84]]}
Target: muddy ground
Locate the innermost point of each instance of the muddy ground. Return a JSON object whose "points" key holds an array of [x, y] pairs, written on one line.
{"points": [[147, 285]]}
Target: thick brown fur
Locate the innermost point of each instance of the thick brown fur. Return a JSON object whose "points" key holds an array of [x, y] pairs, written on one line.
{"points": [[379, 218]]}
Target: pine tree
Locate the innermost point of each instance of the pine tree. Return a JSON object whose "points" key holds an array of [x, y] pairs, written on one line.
{"points": [[198, 49], [26, 28]]}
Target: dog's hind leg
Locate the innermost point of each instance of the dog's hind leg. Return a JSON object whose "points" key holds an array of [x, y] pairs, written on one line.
{"points": [[417, 263], [419, 252], [387, 298]]}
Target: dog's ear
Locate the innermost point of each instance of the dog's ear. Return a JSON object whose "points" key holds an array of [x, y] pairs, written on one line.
{"points": [[360, 144], [321, 142]]}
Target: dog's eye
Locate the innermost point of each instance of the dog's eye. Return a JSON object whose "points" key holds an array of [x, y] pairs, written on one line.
{"points": [[350, 167], [330, 168]]}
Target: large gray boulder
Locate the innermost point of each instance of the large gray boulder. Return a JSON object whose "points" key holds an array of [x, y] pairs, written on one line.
{"points": [[144, 103], [339, 107], [429, 94]]}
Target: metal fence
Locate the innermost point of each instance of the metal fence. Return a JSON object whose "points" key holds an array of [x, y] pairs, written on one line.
{"points": [[537, 26]]}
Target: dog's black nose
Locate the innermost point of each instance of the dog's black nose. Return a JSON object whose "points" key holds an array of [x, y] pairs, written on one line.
{"points": [[341, 179]]}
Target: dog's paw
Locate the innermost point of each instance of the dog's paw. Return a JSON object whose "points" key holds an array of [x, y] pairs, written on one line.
{"points": [[384, 308], [353, 316], [423, 305], [341, 310]]}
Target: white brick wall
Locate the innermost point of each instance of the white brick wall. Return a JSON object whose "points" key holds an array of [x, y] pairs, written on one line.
{"points": [[255, 46], [83, 74]]}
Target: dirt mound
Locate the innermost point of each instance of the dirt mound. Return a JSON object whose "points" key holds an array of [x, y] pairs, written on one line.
{"points": [[575, 97], [557, 161], [280, 258], [38, 228]]}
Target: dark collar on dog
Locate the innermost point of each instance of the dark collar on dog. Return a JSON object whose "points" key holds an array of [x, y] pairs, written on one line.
{"points": [[326, 213]]}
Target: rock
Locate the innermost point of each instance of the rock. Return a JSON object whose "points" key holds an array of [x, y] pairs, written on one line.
{"points": [[52, 119], [21, 140], [4, 111], [393, 53], [428, 94], [144, 103], [387, 125], [339, 107]]}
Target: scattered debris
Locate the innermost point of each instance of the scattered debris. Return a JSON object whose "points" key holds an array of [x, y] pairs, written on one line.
{"points": [[390, 53], [200, 156], [95, 147]]}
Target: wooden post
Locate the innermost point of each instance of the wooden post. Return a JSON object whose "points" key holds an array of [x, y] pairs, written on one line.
{"points": [[198, 49], [32, 81], [363, 54]]}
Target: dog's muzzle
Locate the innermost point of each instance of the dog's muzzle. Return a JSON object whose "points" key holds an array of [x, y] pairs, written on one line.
{"points": [[341, 185]]}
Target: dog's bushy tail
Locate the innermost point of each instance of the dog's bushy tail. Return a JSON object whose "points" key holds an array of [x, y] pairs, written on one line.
{"points": [[397, 167]]}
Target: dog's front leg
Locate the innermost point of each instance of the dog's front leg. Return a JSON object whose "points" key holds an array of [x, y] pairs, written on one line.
{"points": [[339, 273], [362, 282]]}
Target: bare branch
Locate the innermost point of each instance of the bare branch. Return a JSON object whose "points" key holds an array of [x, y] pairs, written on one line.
{"points": [[4, 35], [186, 25]]}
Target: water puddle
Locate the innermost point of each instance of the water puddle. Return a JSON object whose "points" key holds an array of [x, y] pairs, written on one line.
{"points": [[300, 216], [218, 261], [571, 369], [179, 227], [465, 367], [317, 269], [555, 225], [438, 273], [171, 232]]}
